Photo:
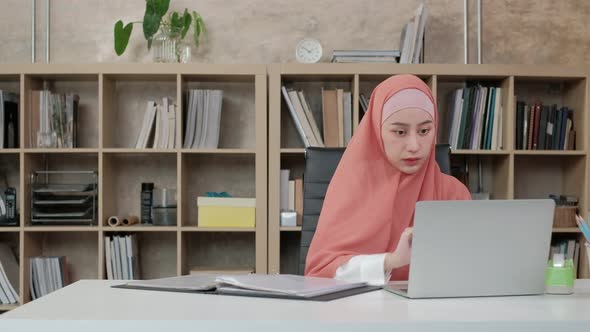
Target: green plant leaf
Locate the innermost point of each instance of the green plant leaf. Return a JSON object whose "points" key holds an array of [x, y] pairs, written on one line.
{"points": [[199, 27], [175, 23], [159, 7], [122, 35], [186, 18], [151, 24]]}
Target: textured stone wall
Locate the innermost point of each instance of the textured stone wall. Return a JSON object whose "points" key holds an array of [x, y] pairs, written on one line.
{"points": [[266, 31]]}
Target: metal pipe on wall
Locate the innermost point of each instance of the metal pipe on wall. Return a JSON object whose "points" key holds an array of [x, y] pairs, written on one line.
{"points": [[33, 10], [47, 31], [465, 31], [479, 31]]}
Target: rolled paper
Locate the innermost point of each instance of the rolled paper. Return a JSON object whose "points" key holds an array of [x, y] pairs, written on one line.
{"points": [[131, 220], [114, 221]]}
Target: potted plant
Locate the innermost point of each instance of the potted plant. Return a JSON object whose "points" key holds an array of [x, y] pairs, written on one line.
{"points": [[172, 27]]}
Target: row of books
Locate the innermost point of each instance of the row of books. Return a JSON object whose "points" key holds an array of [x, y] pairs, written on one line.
{"points": [[158, 128], [370, 56], [336, 117], [291, 198], [122, 257], [412, 36], [8, 275], [47, 274], [203, 114], [54, 119], [9, 120], [544, 127], [569, 248], [474, 118]]}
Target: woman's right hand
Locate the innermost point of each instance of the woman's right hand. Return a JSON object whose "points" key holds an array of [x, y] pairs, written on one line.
{"points": [[401, 255]]}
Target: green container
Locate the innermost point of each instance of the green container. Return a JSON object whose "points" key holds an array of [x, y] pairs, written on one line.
{"points": [[560, 280]]}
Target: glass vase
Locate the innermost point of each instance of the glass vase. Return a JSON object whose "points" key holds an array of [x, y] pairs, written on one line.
{"points": [[165, 46]]}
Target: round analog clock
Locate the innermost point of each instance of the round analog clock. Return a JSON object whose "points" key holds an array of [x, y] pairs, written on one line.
{"points": [[308, 50]]}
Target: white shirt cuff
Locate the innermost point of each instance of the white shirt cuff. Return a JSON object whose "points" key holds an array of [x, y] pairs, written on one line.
{"points": [[364, 268]]}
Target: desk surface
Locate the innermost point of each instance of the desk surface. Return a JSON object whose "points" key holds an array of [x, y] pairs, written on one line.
{"points": [[96, 300]]}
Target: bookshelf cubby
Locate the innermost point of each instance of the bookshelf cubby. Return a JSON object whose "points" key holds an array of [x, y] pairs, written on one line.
{"points": [[123, 174], [11, 237], [86, 86], [507, 173], [124, 99], [201, 248], [113, 100]]}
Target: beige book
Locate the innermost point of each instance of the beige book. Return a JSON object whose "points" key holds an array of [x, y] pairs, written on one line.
{"points": [[35, 114], [311, 119], [299, 111], [340, 105], [330, 118]]}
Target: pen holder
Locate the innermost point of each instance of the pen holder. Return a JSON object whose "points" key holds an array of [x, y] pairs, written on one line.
{"points": [[560, 280]]}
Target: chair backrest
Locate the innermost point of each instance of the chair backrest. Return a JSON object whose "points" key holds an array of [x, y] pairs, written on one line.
{"points": [[320, 165]]}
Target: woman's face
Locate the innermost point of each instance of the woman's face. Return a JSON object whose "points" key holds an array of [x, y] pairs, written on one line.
{"points": [[408, 136]]}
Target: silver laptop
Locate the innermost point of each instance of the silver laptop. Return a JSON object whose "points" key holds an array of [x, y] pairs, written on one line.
{"points": [[478, 248]]}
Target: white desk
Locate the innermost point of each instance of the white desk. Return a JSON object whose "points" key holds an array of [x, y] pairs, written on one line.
{"points": [[88, 305]]}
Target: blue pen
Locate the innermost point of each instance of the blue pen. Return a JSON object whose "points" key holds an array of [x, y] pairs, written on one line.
{"points": [[585, 229]]}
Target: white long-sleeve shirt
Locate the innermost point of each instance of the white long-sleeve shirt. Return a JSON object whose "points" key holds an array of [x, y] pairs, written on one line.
{"points": [[364, 268]]}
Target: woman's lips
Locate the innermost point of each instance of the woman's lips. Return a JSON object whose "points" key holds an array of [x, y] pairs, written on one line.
{"points": [[411, 161]]}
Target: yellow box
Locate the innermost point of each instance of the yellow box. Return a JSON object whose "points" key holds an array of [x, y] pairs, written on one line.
{"points": [[226, 212]]}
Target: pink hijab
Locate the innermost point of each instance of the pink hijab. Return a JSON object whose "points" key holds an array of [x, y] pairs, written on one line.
{"points": [[369, 202]]}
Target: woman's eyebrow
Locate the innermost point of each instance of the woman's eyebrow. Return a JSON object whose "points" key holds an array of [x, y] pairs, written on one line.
{"points": [[407, 125]]}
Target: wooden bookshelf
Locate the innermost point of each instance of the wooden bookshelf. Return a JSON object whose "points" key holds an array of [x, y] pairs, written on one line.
{"points": [[256, 141], [508, 173], [110, 118]]}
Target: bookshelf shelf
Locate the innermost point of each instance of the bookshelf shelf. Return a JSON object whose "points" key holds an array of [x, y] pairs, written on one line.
{"points": [[548, 153], [291, 229], [295, 151], [9, 151], [59, 229], [236, 152], [138, 151], [139, 228], [567, 230], [9, 229], [218, 229], [6, 307], [57, 151], [480, 152]]}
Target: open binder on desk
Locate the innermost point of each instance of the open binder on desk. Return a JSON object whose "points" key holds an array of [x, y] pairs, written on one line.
{"points": [[280, 286]]}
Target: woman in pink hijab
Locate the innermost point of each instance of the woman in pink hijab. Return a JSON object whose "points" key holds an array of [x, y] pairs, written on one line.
{"points": [[365, 226]]}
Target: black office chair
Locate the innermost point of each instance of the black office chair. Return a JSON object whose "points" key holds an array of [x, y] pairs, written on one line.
{"points": [[320, 165]]}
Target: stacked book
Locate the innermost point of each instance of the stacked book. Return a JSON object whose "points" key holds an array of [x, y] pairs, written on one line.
{"points": [[8, 275], [122, 257], [336, 117], [291, 195], [412, 37], [158, 128], [203, 119], [54, 119], [474, 118], [9, 120], [355, 56], [544, 127], [47, 274]]}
